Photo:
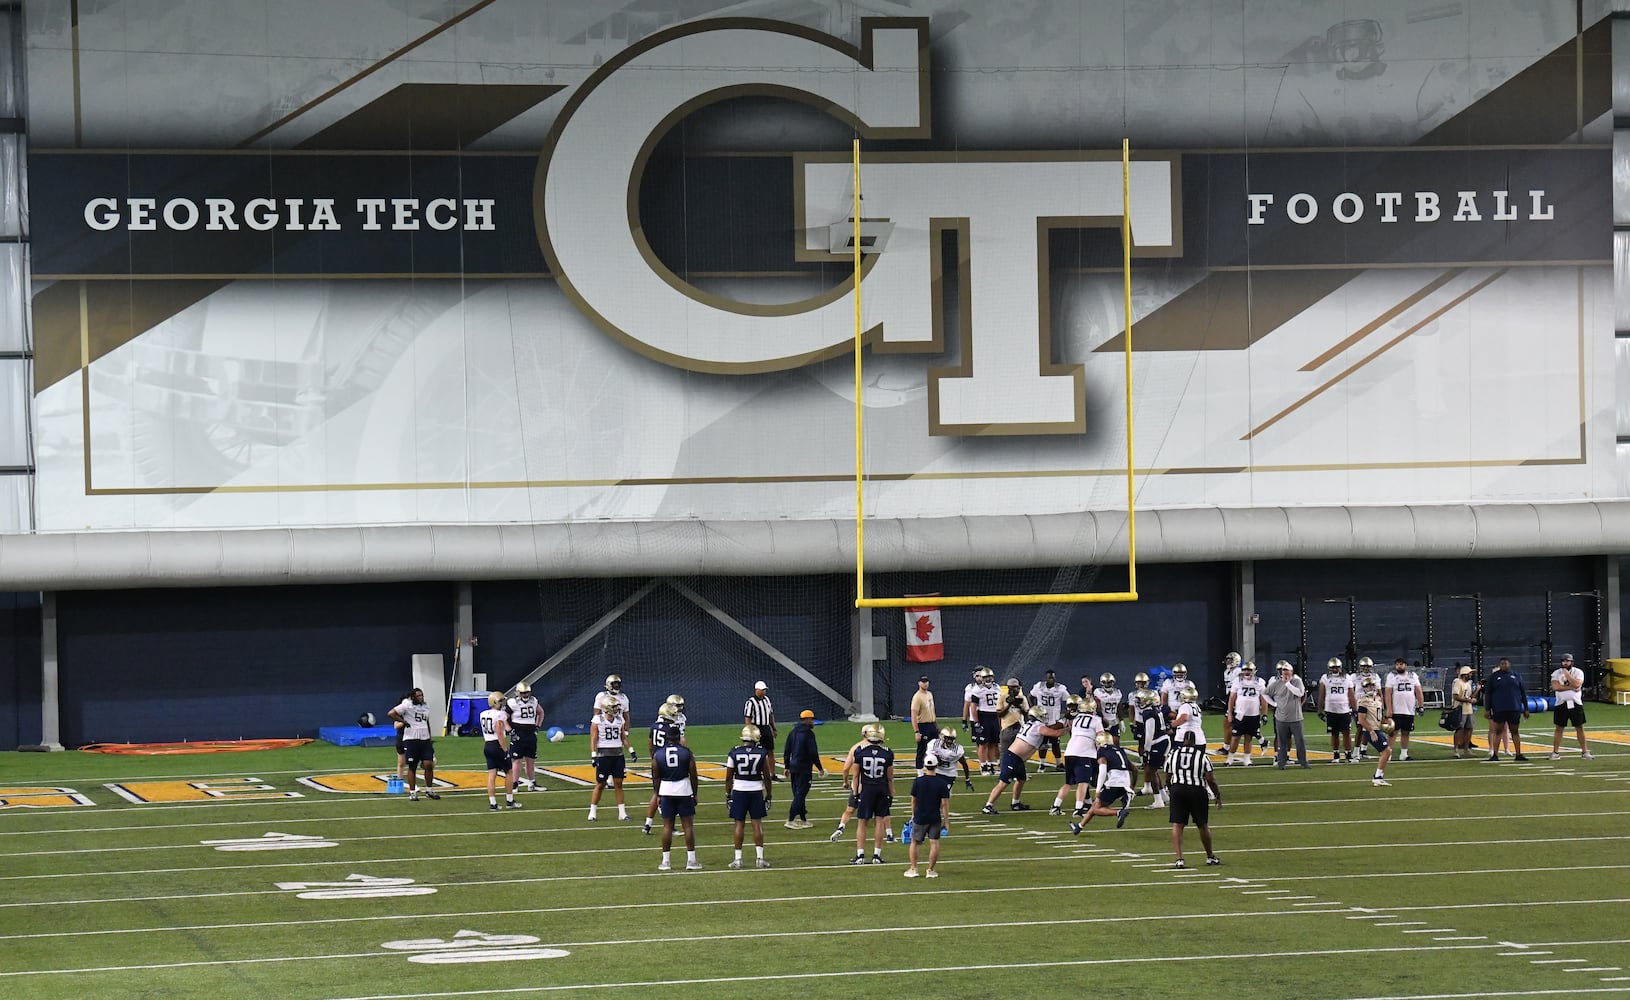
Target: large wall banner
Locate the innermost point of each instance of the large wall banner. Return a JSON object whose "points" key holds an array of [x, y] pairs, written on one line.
{"points": [[478, 261]]}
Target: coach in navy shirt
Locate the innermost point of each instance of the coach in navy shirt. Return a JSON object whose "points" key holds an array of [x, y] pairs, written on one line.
{"points": [[1505, 698]]}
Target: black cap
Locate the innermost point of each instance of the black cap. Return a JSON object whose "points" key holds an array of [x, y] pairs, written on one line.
{"points": [[924, 677]]}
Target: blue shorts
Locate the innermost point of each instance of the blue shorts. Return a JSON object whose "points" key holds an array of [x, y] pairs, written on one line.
{"points": [[497, 759], [1012, 767], [608, 769], [524, 743], [1250, 725], [1338, 722], [873, 802], [416, 752], [747, 805], [1376, 738], [672, 806], [1080, 770], [1111, 795], [1155, 756], [1404, 723], [990, 727]]}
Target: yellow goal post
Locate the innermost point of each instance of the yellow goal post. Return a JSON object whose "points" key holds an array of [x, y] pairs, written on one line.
{"points": [[1131, 592]]}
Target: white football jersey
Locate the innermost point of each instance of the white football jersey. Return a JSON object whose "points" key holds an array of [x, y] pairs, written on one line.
{"points": [[1109, 703], [1403, 691], [990, 698], [621, 699], [417, 719], [1247, 697], [970, 694], [489, 724], [1189, 721], [1171, 692], [1338, 692], [1084, 730], [1230, 675], [1051, 700], [1028, 737], [525, 711], [608, 740], [948, 757]]}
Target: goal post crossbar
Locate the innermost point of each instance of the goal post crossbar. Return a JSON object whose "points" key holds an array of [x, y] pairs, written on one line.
{"points": [[1131, 593]]}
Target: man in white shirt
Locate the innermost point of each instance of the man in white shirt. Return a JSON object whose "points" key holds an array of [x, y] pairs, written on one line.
{"points": [[417, 748], [1337, 694], [1050, 696], [1568, 684], [1244, 714], [1171, 691], [1403, 700]]}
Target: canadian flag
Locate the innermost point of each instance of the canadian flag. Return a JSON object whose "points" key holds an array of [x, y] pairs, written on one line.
{"points": [[924, 641]]}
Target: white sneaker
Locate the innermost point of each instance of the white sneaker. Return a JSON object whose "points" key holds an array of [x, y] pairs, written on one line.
{"points": [[1405, 755], [1554, 756], [933, 874], [793, 824], [1247, 760], [762, 863], [665, 867], [1380, 782], [693, 866], [1587, 755], [911, 873], [735, 865]]}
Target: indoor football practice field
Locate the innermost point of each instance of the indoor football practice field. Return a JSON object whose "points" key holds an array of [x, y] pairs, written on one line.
{"points": [[286, 874]]}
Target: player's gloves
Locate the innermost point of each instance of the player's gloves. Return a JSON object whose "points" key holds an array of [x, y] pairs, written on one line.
{"points": [[633, 755], [969, 783], [964, 725]]}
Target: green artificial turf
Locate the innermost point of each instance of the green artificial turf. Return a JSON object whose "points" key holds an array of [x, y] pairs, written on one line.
{"points": [[1463, 879]]}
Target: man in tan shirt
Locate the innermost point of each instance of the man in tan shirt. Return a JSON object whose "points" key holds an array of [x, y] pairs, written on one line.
{"points": [[923, 718]]}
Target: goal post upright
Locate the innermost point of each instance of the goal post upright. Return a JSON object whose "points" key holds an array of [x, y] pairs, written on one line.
{"points": [[1131, 593]]}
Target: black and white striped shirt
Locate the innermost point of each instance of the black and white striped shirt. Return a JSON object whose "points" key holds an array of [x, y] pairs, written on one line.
{"points": [[1187, 765], [759, 711]]}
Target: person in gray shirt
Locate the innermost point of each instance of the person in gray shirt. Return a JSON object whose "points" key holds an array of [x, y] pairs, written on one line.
{"points": [[1286, 693]]}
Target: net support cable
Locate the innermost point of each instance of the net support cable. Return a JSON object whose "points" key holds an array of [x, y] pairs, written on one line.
{"points": [[1131, 592]]}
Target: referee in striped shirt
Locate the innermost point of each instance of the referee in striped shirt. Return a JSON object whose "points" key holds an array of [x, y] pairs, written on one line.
{"points": [[759, 712], [1188, 777]]}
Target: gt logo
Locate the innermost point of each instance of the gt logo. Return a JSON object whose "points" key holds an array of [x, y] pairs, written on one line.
{"points": [[1001, 205]]}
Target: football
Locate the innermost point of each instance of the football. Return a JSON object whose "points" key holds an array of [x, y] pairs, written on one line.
{"points": [[366, 720]]}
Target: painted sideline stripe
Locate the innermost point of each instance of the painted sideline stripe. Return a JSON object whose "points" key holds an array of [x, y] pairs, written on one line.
{"points": [[1128, 856], [1077, 963]]}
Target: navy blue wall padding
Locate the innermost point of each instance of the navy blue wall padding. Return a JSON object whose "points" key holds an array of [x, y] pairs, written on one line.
{"points": [[19, 669], [1183, 615], [1391, 610], [146, 666], [667, 644]]}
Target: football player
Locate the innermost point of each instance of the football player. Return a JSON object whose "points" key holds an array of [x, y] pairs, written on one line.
{"points": [[673, 771], [1080, 753], [1372, 727], [1244, 714], [665, 731], [852, 786], [1110, 702], [613, 692], [1402, 696], [1051, 696], [984, 712], [1366, 669], [417, 747], [608, 736], [930, 813], [1189, 719], [874, 791], [495, 747], [1335, 704], [1230, 670], [1154, 736], [949, 753], [1114, 787], [1024, 744], [748, 771], [1171, 689], [525, 715], [1140, 684]]}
